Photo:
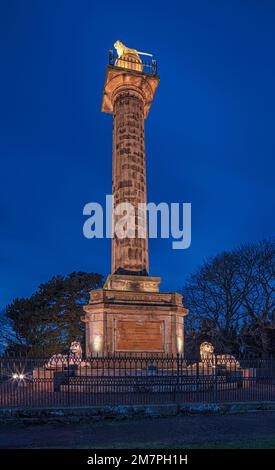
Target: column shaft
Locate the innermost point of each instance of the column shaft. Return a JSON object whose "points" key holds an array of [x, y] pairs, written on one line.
{"points": [[129, 255]]}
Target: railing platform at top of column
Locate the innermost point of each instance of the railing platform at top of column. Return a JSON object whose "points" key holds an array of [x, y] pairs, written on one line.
{"points": [[149, 68]]}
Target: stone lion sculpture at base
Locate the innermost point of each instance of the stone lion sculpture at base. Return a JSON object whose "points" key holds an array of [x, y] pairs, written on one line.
{"points": [[206, 351], [207, 355], [76, 350], [62, 360]]}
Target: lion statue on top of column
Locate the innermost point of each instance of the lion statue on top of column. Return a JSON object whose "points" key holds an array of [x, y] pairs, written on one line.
{"points": [[127, 58], [123, 50]]}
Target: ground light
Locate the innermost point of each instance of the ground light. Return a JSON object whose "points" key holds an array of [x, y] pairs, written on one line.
{"points": [[16, 376]]}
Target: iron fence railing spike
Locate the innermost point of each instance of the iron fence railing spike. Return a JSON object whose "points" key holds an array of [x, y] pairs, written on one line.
{"points": [[133, 378]]}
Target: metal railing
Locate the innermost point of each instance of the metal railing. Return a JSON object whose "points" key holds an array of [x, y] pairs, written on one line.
{"points": [[70, 381], [149, 67]]}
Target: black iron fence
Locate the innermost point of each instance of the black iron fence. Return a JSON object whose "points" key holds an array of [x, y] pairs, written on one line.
{"points": [[71, 381]]}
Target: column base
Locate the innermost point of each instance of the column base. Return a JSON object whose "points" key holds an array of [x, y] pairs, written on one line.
{"points": [[129, 315]]}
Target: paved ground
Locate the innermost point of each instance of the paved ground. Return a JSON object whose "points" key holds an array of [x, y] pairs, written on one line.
{"points": [[179, 431]]}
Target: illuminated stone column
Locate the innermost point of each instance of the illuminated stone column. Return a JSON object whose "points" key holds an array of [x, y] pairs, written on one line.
{"points": [[129, 178], [128, 94], [130, 315]]}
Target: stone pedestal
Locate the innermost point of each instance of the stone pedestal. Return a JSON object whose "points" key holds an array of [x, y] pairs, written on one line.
{"points": [[130, 315]]}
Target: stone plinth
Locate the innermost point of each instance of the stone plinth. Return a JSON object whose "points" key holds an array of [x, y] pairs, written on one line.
{"points": [[130, 315], [132, 283]]}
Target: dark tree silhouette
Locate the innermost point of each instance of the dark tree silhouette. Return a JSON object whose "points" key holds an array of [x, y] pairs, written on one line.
{"points": [[258, 269], [50, 319], [231, 301]]}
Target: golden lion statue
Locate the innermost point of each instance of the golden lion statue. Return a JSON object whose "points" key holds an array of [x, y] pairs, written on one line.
{"points": [[127, 58], [123, 50]]}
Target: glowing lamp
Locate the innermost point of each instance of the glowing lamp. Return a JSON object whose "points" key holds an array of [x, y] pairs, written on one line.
{"points": [[16, 376], [179, 344], [97, 343]]}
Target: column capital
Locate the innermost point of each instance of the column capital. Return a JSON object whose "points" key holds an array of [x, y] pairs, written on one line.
{"points": [[118, 79]]}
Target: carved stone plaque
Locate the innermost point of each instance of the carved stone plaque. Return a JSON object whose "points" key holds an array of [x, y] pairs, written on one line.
{"points": [[139, 335]]}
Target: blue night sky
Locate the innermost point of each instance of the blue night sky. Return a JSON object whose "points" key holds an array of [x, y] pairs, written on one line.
{"points": [[209, 136]]}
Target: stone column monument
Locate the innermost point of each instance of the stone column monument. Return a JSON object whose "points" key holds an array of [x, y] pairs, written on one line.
{"points": [[130, 315]]}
